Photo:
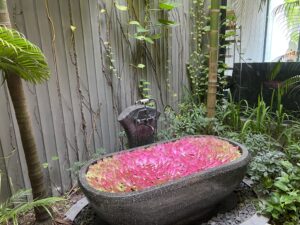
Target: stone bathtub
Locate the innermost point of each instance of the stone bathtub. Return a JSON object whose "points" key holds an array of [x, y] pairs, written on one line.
{"points": [[193, 196]]}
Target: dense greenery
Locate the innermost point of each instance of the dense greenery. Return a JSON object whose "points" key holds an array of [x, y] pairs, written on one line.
{"points": [[17, 205], [272, 140]]}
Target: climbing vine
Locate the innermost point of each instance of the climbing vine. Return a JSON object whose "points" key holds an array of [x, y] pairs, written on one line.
{"points": [[197, 68], [198, 63]]}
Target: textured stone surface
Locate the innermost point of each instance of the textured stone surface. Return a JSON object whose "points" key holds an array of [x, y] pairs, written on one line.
{"points": [[193, 197], [244, 210], [139, 123], [75, 209], [242, 213], [256, 220]]}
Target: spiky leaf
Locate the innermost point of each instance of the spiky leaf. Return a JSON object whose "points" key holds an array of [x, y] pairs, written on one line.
{"points": [[20, 56]]}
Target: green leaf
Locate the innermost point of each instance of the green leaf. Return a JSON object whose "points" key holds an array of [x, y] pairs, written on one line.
{"points": [[121, 7], [206, 28], [45, 165], [141, 29], [168, 5], [134, 22], [139, 37], [54, 158], [149, 40], [20, 56], [166, 22], [281, 186], [141, 66], [156, 36], [73, 28], [287, 164]]}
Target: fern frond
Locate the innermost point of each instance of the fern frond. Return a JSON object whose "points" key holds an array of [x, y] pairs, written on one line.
{"points": [[20, 56], [17, 205], [290, 83]]}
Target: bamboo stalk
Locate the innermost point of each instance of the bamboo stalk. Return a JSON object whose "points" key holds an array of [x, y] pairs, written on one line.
{"points": [[213, 58]]}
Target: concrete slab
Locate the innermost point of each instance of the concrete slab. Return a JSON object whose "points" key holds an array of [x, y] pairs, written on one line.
{"points": [[256, 220], [75, 209]]}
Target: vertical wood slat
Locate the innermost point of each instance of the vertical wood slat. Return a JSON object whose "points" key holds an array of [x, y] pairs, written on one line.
{"points": [[70, 98], [82, 80], [4, 184], [47, 96], [76, 111]]}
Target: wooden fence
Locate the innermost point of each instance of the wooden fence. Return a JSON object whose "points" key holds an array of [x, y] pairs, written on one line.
{"points": [[94, 77]]}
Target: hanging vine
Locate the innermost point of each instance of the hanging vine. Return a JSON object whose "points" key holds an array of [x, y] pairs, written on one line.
{"points": [[197, 68]]}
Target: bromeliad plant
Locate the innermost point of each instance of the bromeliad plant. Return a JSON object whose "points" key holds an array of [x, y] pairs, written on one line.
{"points": [[158, 164]]}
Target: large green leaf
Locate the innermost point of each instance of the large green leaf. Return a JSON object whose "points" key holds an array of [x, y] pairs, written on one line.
{"points": [[18, 55]]}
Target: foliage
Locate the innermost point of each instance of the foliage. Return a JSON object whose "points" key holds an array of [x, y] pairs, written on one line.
{"points": [[288, 14], [147, 30], [77, 165], [199, 59], [144, 89], [198, 62], [191, 119], [272, 142], [20, 56], [160, 163], [293, 152], [18, 205], [284, 204], [231, 113], [260, 118]]}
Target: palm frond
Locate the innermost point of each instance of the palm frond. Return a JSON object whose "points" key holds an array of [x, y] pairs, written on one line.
{"points": [[290, 83], [288, 14], [240, 5], [17, 205], [20, 56]]}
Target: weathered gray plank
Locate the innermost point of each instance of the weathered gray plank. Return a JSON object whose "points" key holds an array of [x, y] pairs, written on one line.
{"points": [[70, 98], [46, 100], [8, 142], [4, 184], [76, 111], [94, 136], [61, 101], [82, 81], [102, 124]]}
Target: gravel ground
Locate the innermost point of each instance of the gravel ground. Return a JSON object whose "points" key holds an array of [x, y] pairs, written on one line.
{"points": [[244, 210]]}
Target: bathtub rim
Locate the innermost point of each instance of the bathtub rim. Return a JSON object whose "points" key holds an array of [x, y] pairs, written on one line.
{"points": [[240, 162]]}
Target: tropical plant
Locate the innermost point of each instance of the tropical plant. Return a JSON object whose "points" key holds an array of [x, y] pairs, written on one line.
{"points": [[259, 120], [288, 14], [191, 119], [213, 58], [20, 59], [284, 203], [231, 113], [17, 205]]}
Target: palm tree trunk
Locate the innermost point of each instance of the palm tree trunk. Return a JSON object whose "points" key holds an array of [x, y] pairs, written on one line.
{"points": [[213, 58], [17, 94]]}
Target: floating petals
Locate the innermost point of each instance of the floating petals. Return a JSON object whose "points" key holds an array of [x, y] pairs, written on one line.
{"points": [[160, 163]]}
